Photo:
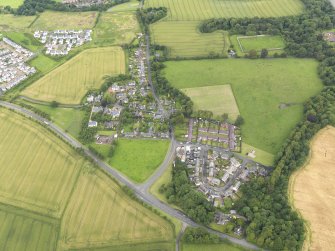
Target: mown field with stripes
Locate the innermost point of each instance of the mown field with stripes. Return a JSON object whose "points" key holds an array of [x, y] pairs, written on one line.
{"points": [[52, 199], [69, 83], [183, 39], [195, 10]]}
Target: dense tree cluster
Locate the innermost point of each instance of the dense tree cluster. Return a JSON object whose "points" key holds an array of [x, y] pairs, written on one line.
{"points": [[151, 15], [200, 235], [273, 224], [163, 87], [87, 134], [182, 193], [32, 7]]}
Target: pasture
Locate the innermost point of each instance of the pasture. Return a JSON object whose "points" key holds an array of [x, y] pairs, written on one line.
{"points": [[40, 169], [212, 247], [248, 43], [183, 39], [52, 20], [10, 22], [312, 190], [195, 10], [269, 93], [218, 98], [138, 159], [132, 5], [69, 83], [101, 214], [11, 3], [116, 28]]}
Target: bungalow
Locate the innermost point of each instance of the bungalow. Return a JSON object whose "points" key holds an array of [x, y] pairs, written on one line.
{"points": [[92, 124], [96, 109]]}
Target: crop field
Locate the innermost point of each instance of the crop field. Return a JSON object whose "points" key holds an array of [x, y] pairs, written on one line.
{"points": [[52, 20], [117, 219], [269, 93], [195, 10], [258, 43], [218, 98], [313, 191], [116, 28], [138, 159], [11, 3], [69, 83], [21, 230], [51, 198], [183, 39], [25, 152], [12, 23]]}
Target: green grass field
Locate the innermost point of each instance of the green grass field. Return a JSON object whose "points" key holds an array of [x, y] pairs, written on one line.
{"points": [[262, 157], [183, 39], [11, 3], [15, 23], [218, 98], [69, 83], [52, 199], [260, 87], [271, 43], [132, 5], [116, 28], [211, 247], [136, 158], [52, 20], [193, 10]]}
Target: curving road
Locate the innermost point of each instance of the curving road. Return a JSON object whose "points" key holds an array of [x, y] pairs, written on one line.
{"points": [[141, 191]]}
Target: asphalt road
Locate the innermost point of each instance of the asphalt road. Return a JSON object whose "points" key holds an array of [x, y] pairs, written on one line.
{"points": [[140, 191]]}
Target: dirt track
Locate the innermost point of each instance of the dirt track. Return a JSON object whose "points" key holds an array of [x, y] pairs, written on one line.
{"points": [[313, 192]]}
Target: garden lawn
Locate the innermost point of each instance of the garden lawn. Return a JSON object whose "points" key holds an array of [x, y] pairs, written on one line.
{"points": [[260, 87], [52, 20], [218, 98], [138, 159]]}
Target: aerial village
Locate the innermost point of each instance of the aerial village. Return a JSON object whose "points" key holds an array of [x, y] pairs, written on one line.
{"points": [[13, 67], [61, 42], [134, 111]]}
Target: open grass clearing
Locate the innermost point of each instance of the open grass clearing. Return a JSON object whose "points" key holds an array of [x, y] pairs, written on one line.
{"points": [[312, 191], [262, 157], [10, 22], [53, 20], [260, 88], [194, 10], [40, 169], [130, 6], [136, 158], [183, 39], [69, 83], [11, 3], [218, 98], [101, 214], [116, 28]]}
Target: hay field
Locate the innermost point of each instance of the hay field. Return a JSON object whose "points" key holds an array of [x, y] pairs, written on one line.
{"points": [[313, 191], [116, 28], [10, 22], [21, 230], [40, 169], [218, 98], [52, 20], [183, 39], [69, 83], [260, 87], [194, 10], [11, 3], [117, 219]]}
